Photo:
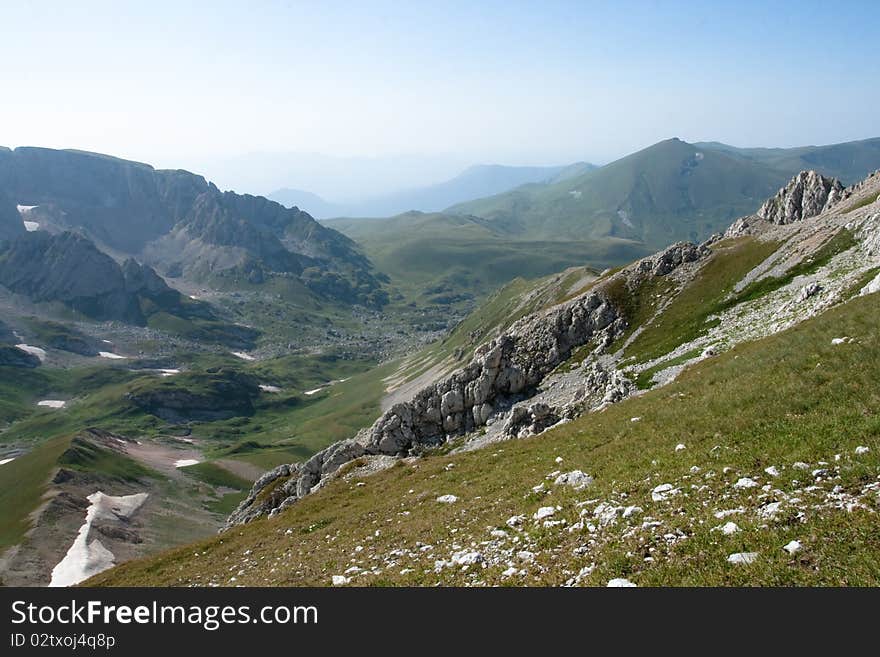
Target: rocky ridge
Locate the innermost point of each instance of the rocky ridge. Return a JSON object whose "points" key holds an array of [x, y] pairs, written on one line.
{"points": [[502, 372]]}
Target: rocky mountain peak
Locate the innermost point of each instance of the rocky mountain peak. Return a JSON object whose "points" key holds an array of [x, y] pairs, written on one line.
{"points": [[806, 195]]}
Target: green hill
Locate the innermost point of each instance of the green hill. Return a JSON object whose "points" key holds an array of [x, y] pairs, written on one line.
{"points": [[442, 258], [850, 161], [667, 192]]}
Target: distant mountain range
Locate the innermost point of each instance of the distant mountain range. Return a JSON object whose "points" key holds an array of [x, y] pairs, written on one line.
{"points": [[475, 182], [179, 223]]}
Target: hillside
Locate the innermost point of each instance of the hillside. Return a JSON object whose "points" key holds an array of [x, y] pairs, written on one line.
{"points": [[442, 258], [667, 192], [706, 415], [475, 182], [664, 193], [850, 162]]}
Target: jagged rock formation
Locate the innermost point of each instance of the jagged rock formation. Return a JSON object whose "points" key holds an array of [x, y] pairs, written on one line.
{"points": [[69, 269], [13, 357], [501, 371], [11, 225], [806, 195], [181, 223]]}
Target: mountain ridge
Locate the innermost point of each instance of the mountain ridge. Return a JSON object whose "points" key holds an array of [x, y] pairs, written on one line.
{"points": [[474, 182]]}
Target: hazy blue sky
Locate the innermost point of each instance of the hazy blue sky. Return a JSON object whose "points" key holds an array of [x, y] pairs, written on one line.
{"points": [[511, 82]]}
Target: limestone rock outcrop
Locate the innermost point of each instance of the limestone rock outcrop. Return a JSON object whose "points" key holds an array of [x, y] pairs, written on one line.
{"points": [[807, 194]]}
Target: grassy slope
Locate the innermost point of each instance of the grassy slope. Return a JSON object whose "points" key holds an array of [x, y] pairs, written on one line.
{"points": [[686, 317], [850, 161], [791, 397], [22, 484], [666, 193], [435, 254]]}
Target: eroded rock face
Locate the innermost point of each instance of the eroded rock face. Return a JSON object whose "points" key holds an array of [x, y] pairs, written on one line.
{"points": [[806, 195]]}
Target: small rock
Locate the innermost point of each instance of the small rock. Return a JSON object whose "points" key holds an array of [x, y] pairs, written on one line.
{"points": [[634, 419], [792, 547], [576, 479], [663, 491], [544, 512], [340, 580], [800, 465], [742, 557], [525, 555], [836, 341], [447, 499], [861, 449], [515, 521], [620, 583], [467, 558], [773, 471], [680, 447], [769, 511], [745, 482], [728, 528], [559, 459], [631, 511]]}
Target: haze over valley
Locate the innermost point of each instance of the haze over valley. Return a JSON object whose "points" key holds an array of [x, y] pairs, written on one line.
{"points": [[431, 295]]}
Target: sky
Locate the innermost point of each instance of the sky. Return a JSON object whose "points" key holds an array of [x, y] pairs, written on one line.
{"points": [[253, 94]]}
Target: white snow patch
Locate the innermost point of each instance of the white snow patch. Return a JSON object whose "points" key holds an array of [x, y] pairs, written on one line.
{"points": [[85, 559], [36, 351], [168, 372], [182, 463], [31, 226], [52, 403], [5, 461], [312, 392], [742, 557], [24, 209], [447, 499], [268, 388], [111, 355], [242, 355], [620, 583]]}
